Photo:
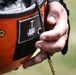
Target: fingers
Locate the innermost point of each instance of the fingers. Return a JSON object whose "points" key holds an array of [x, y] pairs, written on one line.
{"points": [[53, 40], [58, 31], [51, 35], [54, 14], [57, 12], [35, 60], [51, 46], [58, 17]]}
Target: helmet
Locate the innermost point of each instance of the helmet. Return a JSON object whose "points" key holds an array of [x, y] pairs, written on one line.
{"points": [[20, 27]]}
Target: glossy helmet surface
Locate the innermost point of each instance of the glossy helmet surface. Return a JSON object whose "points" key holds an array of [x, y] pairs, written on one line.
{"points": [[19, 30]]}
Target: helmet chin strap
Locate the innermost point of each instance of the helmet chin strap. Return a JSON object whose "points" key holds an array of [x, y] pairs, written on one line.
{"points": [[48, 55]]}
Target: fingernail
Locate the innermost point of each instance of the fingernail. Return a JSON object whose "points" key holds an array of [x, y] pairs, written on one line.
{"points": [[39, 46], [44, 38], [52, 19]]}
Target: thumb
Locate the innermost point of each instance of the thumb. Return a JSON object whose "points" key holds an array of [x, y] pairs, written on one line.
{"points": [[54, 13]]}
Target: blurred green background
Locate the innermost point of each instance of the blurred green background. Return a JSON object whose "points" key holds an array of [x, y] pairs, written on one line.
{"points": [[64, 65]]}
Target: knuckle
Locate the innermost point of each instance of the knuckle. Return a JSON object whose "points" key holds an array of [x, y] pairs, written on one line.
{"points": [[59, 35], [60, 47]]}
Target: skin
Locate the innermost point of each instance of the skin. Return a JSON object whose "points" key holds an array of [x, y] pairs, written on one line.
{"points": [[54, 40]]}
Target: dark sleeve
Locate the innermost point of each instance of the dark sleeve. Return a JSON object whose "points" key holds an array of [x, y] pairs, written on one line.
{"points": [[65, 49]]}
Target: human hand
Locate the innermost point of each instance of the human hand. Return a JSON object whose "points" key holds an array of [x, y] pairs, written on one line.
{"points": [[54, 40]]}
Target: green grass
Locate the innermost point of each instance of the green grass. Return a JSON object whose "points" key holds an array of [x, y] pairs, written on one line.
{"points": [[64, 65]]}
